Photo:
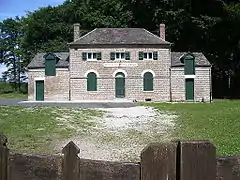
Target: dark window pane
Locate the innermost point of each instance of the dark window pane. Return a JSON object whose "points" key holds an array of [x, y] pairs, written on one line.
{"points": [[150, 55], [117, 55], [122, 55], [145, 55], [89, 55], [94, 55]]}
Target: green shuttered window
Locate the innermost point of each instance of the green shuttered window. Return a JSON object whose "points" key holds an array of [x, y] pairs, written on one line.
{"points": [[120, 56], [189, 67], [148, 82], [91, 82], [50, 64], [148, 55]]}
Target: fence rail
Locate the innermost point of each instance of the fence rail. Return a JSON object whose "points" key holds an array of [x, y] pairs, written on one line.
{"points": [[176, 160]]}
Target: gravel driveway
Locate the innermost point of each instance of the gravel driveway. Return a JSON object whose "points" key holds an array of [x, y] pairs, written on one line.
{"points": [[122, 133]]}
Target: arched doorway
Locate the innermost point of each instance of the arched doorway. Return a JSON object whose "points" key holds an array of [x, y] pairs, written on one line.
{"points": [[120, 85]]}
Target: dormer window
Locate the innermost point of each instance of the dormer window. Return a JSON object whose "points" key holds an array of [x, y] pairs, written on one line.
{"points": [[189, 64], [50, 64]]}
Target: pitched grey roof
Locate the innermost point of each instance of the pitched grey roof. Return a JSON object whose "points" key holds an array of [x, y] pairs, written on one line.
{"points": [[116, 36], [38, 60], [200, 59]]}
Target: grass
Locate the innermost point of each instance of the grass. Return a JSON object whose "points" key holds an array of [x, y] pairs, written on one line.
{"points": [[218, 122], [37, 129], [12, 95]]}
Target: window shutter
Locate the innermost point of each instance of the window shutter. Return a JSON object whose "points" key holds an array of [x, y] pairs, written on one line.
{"points": [[189, 67], [99, 56], [148, 82], [112, 56], [84, 56], [127, 55], [155, 55], [91, 82], [140, 55], [50, 67]]}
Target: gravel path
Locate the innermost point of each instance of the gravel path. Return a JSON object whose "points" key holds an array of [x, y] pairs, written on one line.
{"points": [[122, 133]]}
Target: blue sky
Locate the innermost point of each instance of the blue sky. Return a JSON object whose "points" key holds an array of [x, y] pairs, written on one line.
{"points": [[12, 8]]}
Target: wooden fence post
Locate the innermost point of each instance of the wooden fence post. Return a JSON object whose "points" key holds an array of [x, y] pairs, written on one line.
{"points": [[197, 160], [158, 162], [3, 157], [71, 169]]}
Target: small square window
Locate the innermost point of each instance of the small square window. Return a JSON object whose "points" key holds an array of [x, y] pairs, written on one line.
{"points": [[150, 55]]}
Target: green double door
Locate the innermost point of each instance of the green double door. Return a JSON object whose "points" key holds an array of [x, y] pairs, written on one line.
{"points": [[120, 85], [189, 89], [39, 90]]}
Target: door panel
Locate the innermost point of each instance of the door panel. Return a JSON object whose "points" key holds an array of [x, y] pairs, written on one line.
{"points": [[39, 90], [120, 85], [189, 89]]}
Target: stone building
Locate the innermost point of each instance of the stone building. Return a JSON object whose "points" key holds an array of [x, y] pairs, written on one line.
{"points": [[119, 63]]}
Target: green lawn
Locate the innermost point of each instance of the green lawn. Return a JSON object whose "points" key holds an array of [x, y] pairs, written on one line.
{"points": [[37, 129], [218, 122], [12, 95]]}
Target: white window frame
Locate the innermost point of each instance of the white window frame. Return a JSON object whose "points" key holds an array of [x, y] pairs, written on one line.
{"points": [[147, 55], [120, 56], [91, 54]]}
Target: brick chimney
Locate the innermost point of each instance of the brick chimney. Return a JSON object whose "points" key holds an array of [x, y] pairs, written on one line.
{"points": [[162, 31], [76, 28]]}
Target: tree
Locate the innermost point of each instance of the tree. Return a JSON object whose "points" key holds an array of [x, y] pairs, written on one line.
{"points": [[11, 55]]}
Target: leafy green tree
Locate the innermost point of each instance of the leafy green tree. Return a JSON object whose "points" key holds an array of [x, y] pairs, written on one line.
{"points": [[10, 44]]}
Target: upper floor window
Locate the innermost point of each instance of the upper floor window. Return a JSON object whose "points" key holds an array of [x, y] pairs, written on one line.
{"points": [[91, 56], [120, 55], [148, 55], [50, 64], [189, 64]]}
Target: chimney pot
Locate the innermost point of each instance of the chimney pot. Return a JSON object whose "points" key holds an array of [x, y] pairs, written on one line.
{"points": [[162, 31], [76, 28]]}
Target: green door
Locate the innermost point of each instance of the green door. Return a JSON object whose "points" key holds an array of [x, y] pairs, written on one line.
{"points": [[120, 85], [189, 89], [39, 90]]}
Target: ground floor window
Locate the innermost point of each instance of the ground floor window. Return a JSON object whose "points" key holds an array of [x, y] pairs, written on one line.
{"points": [[148, 81], [91, 82]]}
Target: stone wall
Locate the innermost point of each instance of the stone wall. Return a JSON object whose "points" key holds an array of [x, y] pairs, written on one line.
{"points": [[202, 84], [106, 80], [55, 87]]}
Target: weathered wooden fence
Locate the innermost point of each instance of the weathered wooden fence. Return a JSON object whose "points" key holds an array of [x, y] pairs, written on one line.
{"points": [[177, 160]]}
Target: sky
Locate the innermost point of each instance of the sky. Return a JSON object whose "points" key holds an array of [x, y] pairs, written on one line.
{"points": [[13, 8]]}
